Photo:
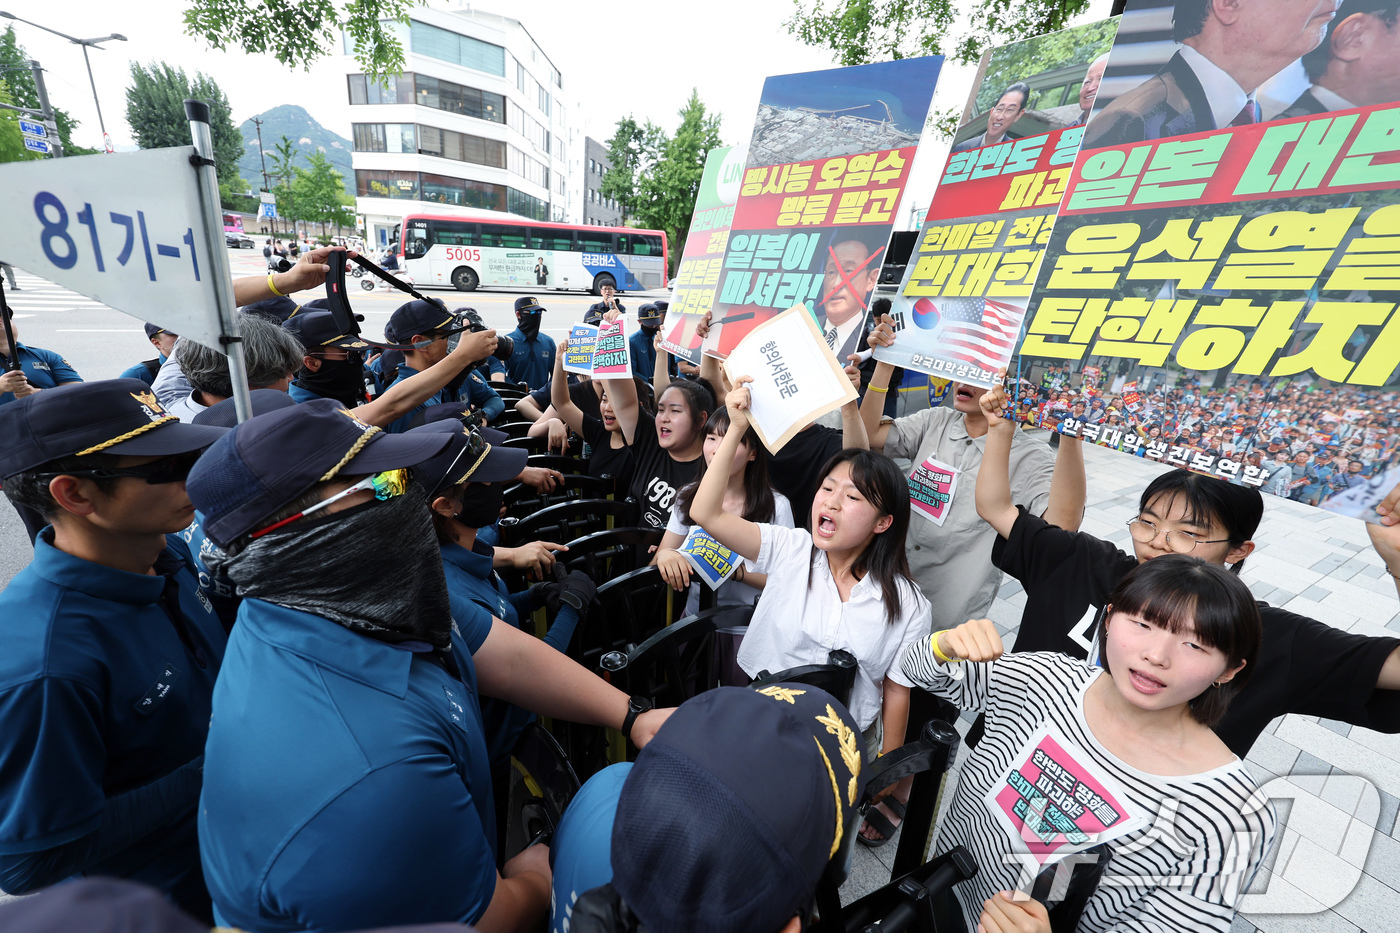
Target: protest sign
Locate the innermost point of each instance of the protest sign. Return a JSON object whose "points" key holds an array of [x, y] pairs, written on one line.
{"points": [[697, 275], [713, 562], [826, 166], [612, 356], [965, 288], [599, 350], [578, 349], [931, 488], [125, 229], [796, 378], [1240, 274], [1054, 800]]}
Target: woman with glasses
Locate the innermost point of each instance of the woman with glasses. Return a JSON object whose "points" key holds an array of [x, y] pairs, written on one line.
{"points": [[1304, 666]]}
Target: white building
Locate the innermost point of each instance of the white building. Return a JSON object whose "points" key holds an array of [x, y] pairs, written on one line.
{"points": [[478, 121]]}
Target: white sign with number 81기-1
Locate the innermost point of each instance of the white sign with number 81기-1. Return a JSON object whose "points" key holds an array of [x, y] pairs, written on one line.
{"points": [[125, 230]]}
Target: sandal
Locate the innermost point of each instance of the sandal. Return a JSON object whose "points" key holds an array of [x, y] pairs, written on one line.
{"points": [[881, 824]]}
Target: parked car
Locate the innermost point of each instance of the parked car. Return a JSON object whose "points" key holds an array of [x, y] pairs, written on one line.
{"points": [[237, 240]]}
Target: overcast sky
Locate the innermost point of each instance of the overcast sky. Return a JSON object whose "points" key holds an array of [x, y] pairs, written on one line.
{"points": [[617, 57]]}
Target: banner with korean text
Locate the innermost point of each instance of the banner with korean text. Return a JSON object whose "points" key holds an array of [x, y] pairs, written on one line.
{"points": [[965, 289], [697, 274], [1220, 290], [825, 169]]}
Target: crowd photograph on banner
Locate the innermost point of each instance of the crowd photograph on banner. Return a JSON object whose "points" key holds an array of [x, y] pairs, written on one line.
{"points": [[936, 472]]}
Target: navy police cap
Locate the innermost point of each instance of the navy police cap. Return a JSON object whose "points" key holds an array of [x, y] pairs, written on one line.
{"points": [[649, 313], [733, 810], [316, 330], [277, 309], [154, 330], [269, 460], [474, 455], [225, 415], [527, 305], [113, 416], [416, 317]]}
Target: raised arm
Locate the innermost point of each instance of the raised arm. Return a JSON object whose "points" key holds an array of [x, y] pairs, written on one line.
{"points": [[872, 407], [1068, 491], [853, 431], [661, 366], [622, 396], [560, 401], [402, 398], [707, 508], [993, 495], [309, 272]]}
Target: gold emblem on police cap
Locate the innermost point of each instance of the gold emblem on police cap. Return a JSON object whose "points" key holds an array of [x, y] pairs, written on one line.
{"points": [[149, 405]]}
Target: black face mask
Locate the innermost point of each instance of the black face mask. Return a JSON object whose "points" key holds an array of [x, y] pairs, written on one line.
{"points": [[342, 380], [529, 325], [481, 504], [650, 329]]}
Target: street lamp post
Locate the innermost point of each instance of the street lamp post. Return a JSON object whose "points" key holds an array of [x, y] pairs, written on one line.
{"points": [[86, 44]]}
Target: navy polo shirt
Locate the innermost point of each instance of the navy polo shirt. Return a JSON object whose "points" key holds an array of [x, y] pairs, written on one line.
{"points": [[644, 357], [532, 361], [143, 372], [346, 779], [102, 691], [45, 369], [482, 396], [405, 422], [471, 576]]}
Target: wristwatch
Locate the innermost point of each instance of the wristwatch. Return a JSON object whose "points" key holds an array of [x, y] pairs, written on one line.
{"points": [[635, 707]]}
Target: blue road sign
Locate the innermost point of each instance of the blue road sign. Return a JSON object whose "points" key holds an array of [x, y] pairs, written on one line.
{"points": [[37, 145], [30, 128]]}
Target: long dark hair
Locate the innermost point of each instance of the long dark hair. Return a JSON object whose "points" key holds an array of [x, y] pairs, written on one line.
{"points": [[759, 505], [1177, 590], [885, 487], [1237, 509]]}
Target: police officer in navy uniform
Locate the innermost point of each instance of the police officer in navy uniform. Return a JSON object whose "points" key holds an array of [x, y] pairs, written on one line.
{"points": [[164, 342], [430, 324], [643, 342], [532, 362], [108, 652], [38, 369], [610, 302]]}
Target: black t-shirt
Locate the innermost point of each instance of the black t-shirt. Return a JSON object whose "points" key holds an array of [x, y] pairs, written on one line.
{"points": [[1304, 666], [604, 459], [796, 470], [581, 393], [657, 477]]}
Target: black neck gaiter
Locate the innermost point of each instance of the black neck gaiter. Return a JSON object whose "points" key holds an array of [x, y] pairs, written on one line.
{"points": [[342, 380], [374, 568]]}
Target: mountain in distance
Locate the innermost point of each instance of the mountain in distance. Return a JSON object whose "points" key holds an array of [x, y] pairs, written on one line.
{"points": [[302, 129]]}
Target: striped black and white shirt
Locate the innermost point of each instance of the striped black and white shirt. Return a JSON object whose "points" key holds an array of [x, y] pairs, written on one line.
{"points": [[1204, 838]]}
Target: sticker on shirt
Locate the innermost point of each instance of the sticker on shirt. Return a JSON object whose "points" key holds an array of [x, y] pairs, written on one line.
{"points": [[158, 691], [455, 711], [931, 488], [713, 562], [1054, 800]]}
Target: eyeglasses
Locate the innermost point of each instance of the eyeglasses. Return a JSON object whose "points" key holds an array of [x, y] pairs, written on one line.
{"points": [[386, 485], [174, 469], [1183, 542]]}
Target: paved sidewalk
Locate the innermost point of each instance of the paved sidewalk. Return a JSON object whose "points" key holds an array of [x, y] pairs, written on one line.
{"points": [[1321, 566]]}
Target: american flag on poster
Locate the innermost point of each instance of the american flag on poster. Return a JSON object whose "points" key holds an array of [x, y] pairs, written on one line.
{"points": [[972, 330]]}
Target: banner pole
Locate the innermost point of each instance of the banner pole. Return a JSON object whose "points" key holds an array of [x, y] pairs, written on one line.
{"points": [[197, 111]]}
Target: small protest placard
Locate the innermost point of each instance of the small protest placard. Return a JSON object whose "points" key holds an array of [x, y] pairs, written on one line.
{"points": [[612, 357], [713, 562], [931, 488], [796, 378], [578, 351], [1055, 800]]}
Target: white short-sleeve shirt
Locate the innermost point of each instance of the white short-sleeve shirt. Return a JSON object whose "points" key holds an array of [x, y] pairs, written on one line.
{"points": [[795, 624], [731, 592]]}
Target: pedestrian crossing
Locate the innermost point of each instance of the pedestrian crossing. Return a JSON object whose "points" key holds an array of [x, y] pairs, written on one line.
{"points": [[35, 296]]}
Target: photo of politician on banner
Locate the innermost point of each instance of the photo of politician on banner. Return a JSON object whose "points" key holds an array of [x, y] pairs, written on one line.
{"points": [[1219, 291], [826, 167], [965, 289]]}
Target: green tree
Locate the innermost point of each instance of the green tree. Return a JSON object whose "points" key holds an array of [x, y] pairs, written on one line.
{"points": [[155, 110], [297, 34], [11, 139], [1081, 44], [319, 193], [864, 31], [669, 188], [282, 168], [14, 66], [630, 148]]}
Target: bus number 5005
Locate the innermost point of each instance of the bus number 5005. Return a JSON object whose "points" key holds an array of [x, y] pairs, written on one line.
{"points": [[463, 254]]}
